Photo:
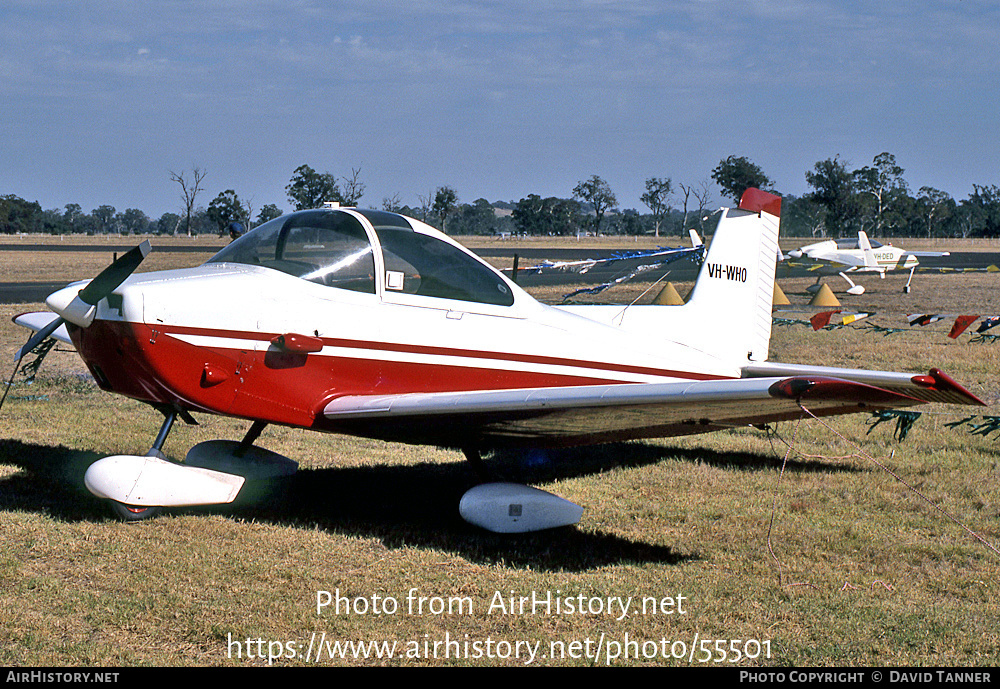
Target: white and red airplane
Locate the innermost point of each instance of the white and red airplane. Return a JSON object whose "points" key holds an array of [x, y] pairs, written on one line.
{"points": [[374, 324], [862, 255]]}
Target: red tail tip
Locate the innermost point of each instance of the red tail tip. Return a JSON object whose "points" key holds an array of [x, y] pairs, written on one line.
{"points": [[755, 201]]}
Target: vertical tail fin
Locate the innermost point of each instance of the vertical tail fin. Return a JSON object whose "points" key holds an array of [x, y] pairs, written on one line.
{"points": [[866, 247], [730, 305]]}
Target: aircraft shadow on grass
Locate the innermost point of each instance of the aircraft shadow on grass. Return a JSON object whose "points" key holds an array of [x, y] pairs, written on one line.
{"points": [[399, 505]]}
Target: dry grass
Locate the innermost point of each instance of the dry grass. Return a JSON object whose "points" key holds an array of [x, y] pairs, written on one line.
{"points": [[858, 571], [56, 265]]}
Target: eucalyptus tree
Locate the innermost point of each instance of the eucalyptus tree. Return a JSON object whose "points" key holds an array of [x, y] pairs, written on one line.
{"points": [[133, 221], [736, 174], [190, 188], [534, 215], [936, 207], [882, 184], [73, 216], [354, 188], [596, 192], [104, 217], [310, 189], [168, 223], [835, 192], [225, 209], [477, 218], [657, 199], [445, 202], [19, 215], [269, 211]]}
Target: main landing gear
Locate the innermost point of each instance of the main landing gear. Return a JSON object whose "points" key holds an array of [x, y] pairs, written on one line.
{"points": [[906, 287], [138, 513], [133, 513], [854, 289], [214, 472]]}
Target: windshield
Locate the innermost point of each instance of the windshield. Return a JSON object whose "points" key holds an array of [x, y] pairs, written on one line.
{"points": [[850, 244], [326, 248]]}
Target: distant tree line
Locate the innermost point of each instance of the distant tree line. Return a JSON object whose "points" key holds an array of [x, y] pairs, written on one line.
{"points": [[874, 198]]}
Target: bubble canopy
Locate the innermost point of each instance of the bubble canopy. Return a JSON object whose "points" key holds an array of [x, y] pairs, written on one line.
{"points": [[338, 248]]}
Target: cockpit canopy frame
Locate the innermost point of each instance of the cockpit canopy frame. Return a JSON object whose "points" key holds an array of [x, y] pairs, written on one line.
{"points": [[369, 251]]}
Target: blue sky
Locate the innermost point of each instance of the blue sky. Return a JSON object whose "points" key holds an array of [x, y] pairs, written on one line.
{"points": [[99, 101]]}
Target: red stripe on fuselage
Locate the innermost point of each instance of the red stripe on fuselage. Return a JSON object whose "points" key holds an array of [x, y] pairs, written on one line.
{"points": [[453, 352]]}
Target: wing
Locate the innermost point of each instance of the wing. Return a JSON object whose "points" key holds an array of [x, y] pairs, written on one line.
{"points": [[38, 320], [823, 265], [597, 414]]}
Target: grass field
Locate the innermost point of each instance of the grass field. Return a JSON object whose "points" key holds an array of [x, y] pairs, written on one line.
{"points": [[717, 543]]}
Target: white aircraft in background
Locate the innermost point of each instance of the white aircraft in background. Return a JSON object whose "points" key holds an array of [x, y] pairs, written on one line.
{"points": [[861, 256], [373, 324]]}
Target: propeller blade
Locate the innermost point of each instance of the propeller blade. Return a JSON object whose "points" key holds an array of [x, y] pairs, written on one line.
{"points": [[98, 288], [114, 275], [37, 338]]}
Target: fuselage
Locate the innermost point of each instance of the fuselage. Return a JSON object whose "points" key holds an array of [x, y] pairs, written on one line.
{"points": [[276, 339], [885, 257]]}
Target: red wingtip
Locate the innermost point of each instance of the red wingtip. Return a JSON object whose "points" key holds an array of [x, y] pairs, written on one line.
{"points": [[936, 379], [755, 200]]}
